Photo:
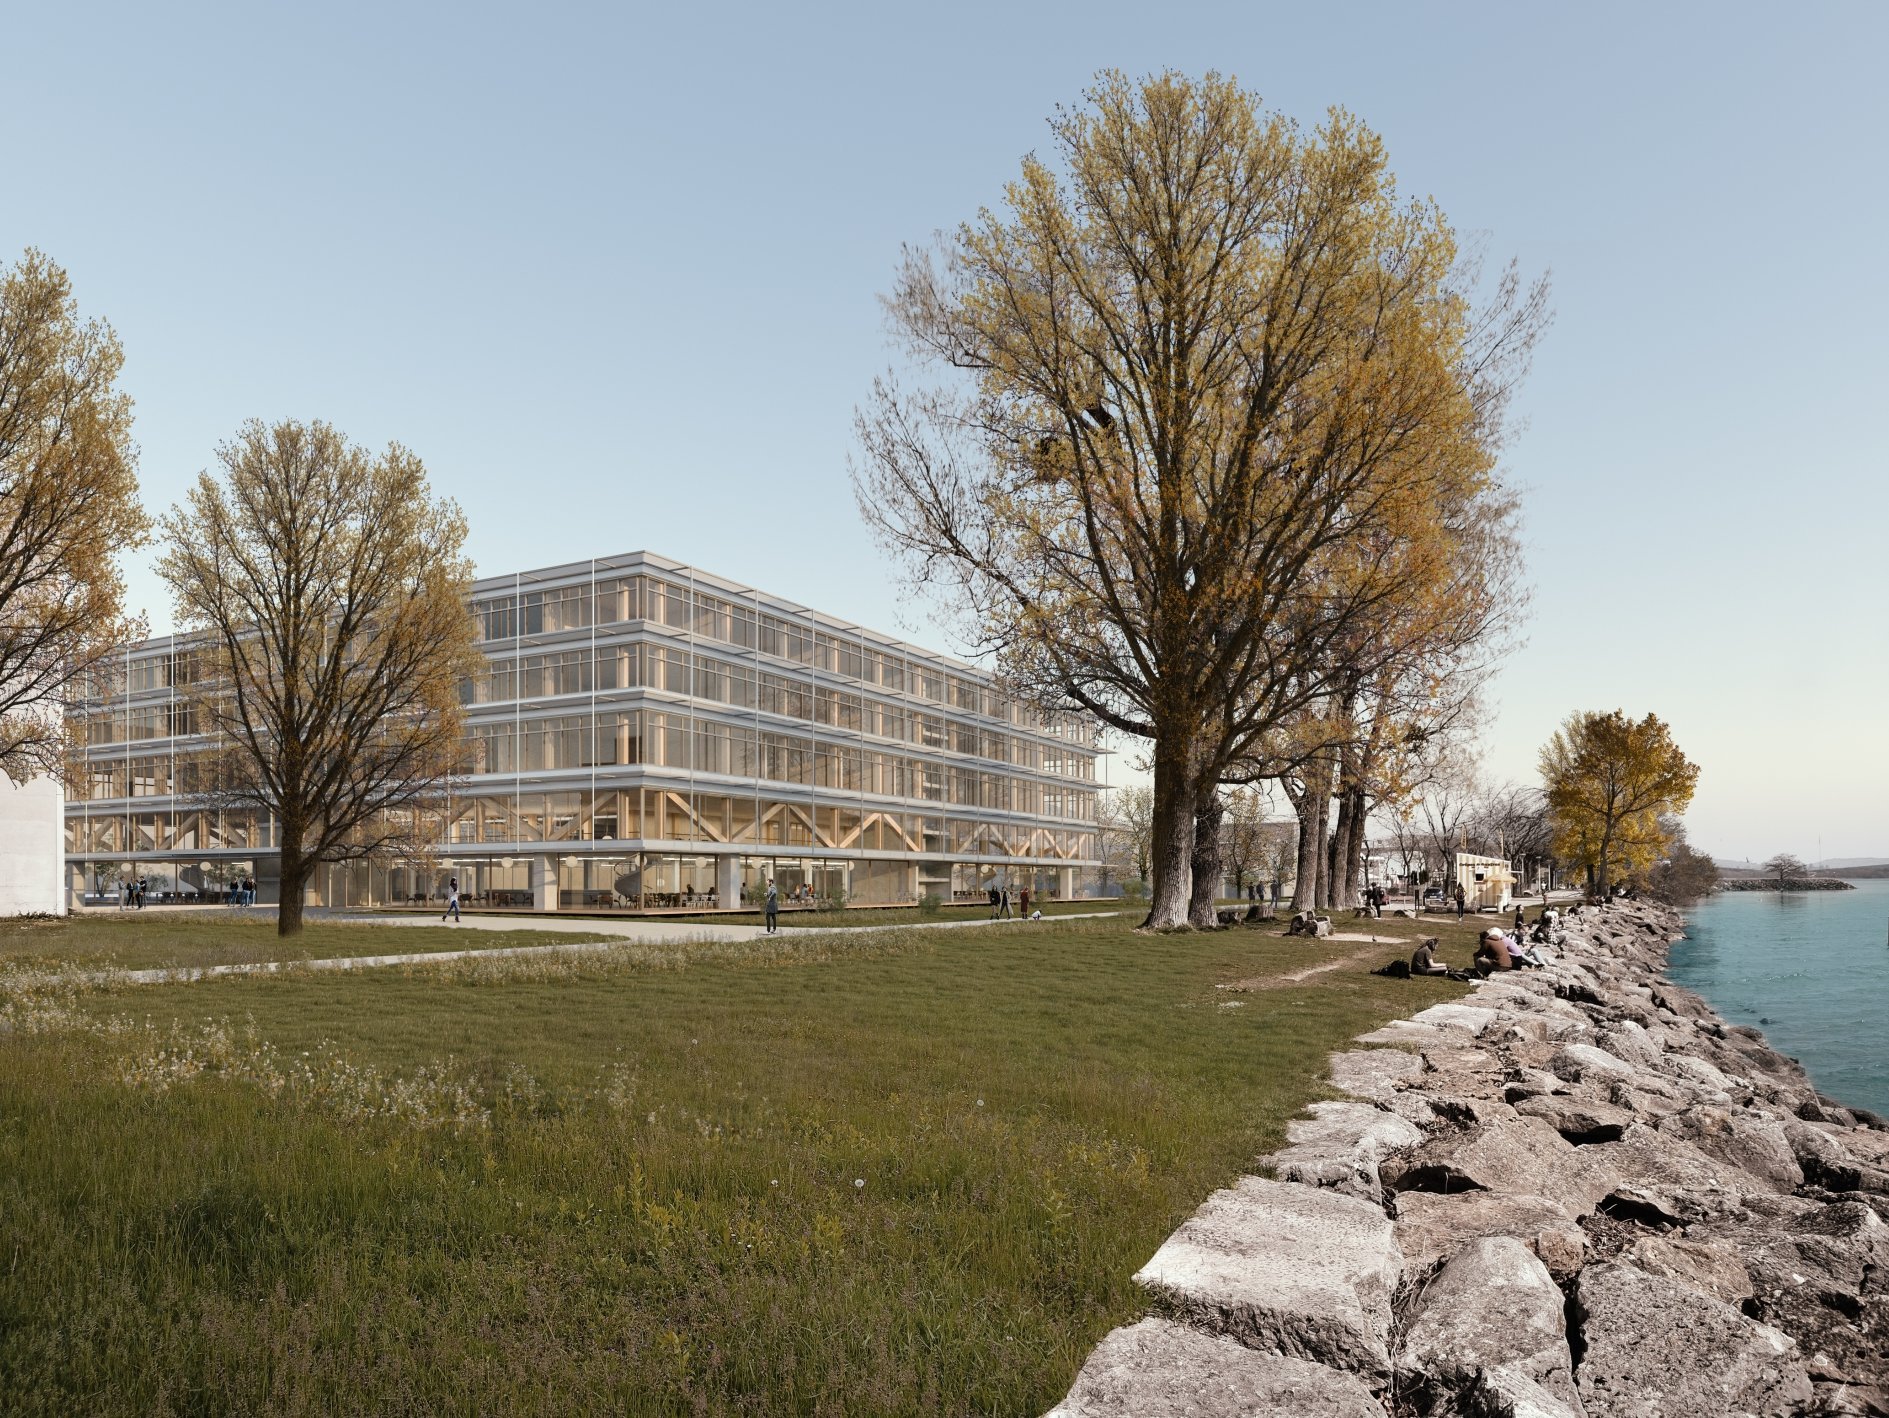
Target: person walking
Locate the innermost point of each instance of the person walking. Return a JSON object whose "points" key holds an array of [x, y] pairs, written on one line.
{"points": [[996, 900], [1023, 902], [452, 900], [773, 909]]}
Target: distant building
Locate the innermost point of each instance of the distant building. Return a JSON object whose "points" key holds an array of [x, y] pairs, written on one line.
{"points": [[32, 847], [1488, 883], [643, 735]]}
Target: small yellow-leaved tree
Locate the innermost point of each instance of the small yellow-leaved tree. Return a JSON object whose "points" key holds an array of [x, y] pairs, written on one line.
{"points": [[1608, 780]]}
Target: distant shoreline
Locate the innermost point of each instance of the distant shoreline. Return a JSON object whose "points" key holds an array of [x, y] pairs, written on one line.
{"points": [[1814, 883]]}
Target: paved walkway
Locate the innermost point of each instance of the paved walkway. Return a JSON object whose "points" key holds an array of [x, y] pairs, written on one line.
{"points": [[640, 932]]}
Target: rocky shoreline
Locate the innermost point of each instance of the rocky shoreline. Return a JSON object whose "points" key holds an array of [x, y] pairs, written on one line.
{"points": [[1808, 883], [1578, 1192]]}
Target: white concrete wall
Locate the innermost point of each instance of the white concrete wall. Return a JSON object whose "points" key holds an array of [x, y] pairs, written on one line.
{"points": [[32, 847]]}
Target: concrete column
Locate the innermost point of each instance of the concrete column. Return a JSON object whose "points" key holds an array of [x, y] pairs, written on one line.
{"points": [[544, 884], [1065, 883], [728, 880]]}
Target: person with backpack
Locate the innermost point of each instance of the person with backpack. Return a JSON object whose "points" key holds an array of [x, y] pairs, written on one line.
{"points": [[773, 909]]}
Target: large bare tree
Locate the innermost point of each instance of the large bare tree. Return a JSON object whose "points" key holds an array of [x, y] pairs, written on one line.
{"points": [[68, 507], [1205, 391], [332, 591]]}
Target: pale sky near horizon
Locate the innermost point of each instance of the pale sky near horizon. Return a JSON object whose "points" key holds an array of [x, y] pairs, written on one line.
{"points": [[612, 273]]}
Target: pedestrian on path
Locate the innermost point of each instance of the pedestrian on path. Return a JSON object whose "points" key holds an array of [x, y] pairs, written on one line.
{"points": [[452, 900], [773, 909], [1023, 901], [1461, 901]]}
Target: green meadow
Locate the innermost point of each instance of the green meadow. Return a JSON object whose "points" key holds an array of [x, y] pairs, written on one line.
{"points": [[895, 1172]]}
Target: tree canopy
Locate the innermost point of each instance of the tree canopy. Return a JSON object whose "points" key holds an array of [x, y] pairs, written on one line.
{"points": [[1209, 406], [332, 589], [68, 507], [1608, 779]]}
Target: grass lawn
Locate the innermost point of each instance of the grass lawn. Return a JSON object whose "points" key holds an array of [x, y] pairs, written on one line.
{"points": [[156, 938], [900, 1172]]}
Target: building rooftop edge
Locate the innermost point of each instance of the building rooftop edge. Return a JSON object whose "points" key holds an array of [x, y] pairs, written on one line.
{"points": [[631, 561]]}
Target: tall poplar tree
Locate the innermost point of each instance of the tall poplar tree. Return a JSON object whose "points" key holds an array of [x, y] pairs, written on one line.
{"points": [[1203, 400]]}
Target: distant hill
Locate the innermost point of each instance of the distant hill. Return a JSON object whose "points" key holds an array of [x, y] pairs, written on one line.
{"points": [[1835, 862]]}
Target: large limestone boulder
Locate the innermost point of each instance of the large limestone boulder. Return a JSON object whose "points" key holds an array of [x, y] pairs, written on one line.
{"points": [[1158, 1366], [1290, 1269], [1577, 1062], [1578, 1118], [1466, 1018], [1505, 1393], [1376, 1075], [1756, 1145], [1652, 1348], [1492, 1307], [1340, 1146], [1712, 1268], [1827, 1159], [1630, 1042], [1431, 1227], [1666, 1179], [1520, 1156]]}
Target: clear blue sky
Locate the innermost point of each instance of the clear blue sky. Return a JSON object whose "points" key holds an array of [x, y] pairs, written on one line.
{"points": [[611, 271]]}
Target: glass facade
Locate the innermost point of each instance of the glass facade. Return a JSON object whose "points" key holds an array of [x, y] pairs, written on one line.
{"points": [[645, 736]]}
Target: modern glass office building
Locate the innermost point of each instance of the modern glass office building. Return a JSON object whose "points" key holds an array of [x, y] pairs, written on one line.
{"points": [[644, 736]]}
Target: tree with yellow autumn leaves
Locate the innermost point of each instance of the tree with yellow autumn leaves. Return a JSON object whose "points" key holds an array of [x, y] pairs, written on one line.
{"points": [[1207, 405], [1608, 781], [68, 508], [330, 589]]}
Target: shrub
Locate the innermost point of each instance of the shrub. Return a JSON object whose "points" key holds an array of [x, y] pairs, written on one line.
{"points": [[930, 904], [1134, 891]]}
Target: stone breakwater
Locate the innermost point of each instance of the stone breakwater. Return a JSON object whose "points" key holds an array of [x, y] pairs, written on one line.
{"points": [[1580, 1192]]}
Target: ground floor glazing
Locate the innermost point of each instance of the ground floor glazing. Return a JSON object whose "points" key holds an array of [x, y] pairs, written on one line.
{"points": [[597, 880]]}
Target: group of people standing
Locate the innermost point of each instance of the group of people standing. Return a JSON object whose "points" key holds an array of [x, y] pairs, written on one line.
{"points": [[1000, 901]]}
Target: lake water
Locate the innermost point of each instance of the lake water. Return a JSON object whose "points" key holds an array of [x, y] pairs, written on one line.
{"points": [[1811, 969]]}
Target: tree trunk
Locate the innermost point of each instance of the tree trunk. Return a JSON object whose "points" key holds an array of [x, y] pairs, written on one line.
{"points": [[1171, 848], [1311, 839], [1335, 854], [1201, 911], [1321, 837], [1354, 841], [296, 869]]}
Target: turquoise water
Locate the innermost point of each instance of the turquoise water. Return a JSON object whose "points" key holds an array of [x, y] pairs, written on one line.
{"points": [[1811, 969]]}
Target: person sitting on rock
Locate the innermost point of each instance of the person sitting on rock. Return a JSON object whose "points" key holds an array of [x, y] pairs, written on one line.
{"points": [[1423, 959], [1518, 954], [1492, 952]]}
